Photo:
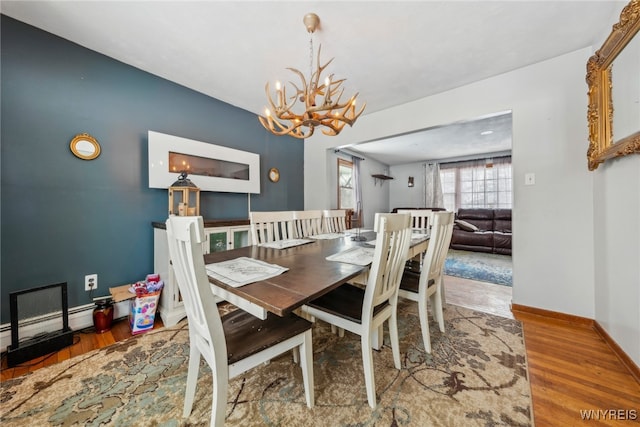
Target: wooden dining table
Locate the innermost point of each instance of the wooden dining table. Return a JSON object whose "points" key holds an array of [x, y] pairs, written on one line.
{"points": [[309, 274]]}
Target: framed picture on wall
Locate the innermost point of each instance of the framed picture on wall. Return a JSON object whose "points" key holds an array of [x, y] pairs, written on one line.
{"points": [[211, 167]]}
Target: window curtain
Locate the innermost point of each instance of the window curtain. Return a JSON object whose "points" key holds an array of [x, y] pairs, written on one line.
{"points": [[357, 190], [477, 162], [433, 197]]}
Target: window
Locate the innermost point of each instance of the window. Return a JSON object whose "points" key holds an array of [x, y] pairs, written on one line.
{"points": [[345, 184], [448, 180], [484, 183]]}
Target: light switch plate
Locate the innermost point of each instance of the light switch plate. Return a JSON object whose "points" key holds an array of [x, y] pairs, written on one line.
{"points": [[529, 178]]}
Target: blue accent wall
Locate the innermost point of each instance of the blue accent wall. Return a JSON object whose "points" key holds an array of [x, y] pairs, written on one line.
{"points": [[63, 217]]}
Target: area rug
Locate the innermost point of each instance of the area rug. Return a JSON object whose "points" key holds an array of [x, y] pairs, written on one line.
{"points": [[476, 376], [492, 268]]}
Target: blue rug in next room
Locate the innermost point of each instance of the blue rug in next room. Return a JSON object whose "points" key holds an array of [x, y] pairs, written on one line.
{"points": [[479, 266]]}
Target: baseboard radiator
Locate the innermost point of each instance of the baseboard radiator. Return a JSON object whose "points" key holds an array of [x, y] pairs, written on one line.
{"points": [[80, 317]]}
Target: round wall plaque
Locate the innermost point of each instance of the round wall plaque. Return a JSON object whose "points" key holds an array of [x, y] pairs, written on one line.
{"points": [[85, 147], [274, 175]]}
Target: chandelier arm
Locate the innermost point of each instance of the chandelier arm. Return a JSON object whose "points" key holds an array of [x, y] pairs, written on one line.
{"points": [[285, 111], [333, 128], [299, 74], [330, 131], [321, 68], [267, 91], [353, 120], [333, 106], [278, 111], [305, 92], [288, 105], [315, 77], [271, 124], [335, 86]]}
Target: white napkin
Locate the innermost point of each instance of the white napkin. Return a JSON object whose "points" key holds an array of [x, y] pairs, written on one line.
{"points": [[357, 255], [243, 270], [327, 236], [284, 244]]}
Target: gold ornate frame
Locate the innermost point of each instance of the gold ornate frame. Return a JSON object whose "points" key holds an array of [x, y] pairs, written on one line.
{"points": [[85, 147], [600, 113]]}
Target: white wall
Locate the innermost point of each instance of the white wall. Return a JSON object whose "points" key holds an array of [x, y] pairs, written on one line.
{"points": [[401, 195], [617, 253], [552, 220]]}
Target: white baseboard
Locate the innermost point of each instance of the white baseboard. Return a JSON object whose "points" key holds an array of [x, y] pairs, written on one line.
{"points": [[79, 318]]}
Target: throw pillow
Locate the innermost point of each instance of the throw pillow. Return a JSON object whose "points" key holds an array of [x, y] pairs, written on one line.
{"points": [[466, 226]]}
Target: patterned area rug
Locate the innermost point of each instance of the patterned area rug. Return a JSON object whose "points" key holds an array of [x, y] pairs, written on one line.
{"points": [[476, 376], [492, 268]]}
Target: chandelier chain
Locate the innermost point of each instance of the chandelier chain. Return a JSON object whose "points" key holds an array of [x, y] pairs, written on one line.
{"points": [[310, 56]]}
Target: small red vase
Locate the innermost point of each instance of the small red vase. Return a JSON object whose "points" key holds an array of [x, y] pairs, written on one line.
{"points": [[103, 316]]}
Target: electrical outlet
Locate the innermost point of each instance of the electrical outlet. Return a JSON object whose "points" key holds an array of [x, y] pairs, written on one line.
{"points": [[90, 282]]}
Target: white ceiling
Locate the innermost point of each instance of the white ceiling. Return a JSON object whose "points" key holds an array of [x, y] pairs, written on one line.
{"points": [[391, 52], [489, 135]]}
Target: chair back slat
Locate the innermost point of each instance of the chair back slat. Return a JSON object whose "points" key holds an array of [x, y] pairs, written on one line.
{"points": [[185, 236], [420, 218], [334, 220], [307, 223], [439, 241], [393, 237], [271, 226]]}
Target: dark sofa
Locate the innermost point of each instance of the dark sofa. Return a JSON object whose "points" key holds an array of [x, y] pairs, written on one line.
{"points": [[493, 233]]}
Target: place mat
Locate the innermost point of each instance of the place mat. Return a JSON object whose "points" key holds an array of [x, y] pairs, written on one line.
{"points": [[417, 238], [356, 255], [243, 270], [327, 236], [356, 230], [286, 243]]}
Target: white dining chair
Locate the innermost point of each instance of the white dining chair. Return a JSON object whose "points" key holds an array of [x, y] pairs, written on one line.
{"points": [[420, 218], [269, 227], [236, 342], [307, 223], [363, 311], [334, 220], [428, 283]]}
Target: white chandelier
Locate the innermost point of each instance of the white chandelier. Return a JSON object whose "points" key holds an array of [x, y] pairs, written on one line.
{"points": [[322, 105]]}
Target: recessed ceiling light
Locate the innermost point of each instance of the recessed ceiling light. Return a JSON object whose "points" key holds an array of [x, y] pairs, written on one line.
{"points": [[486, 132]]}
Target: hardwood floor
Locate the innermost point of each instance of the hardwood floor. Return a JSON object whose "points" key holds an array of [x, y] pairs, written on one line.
{"points": [[84, 341], [572, 369], [574, 374], [481, 296]]}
